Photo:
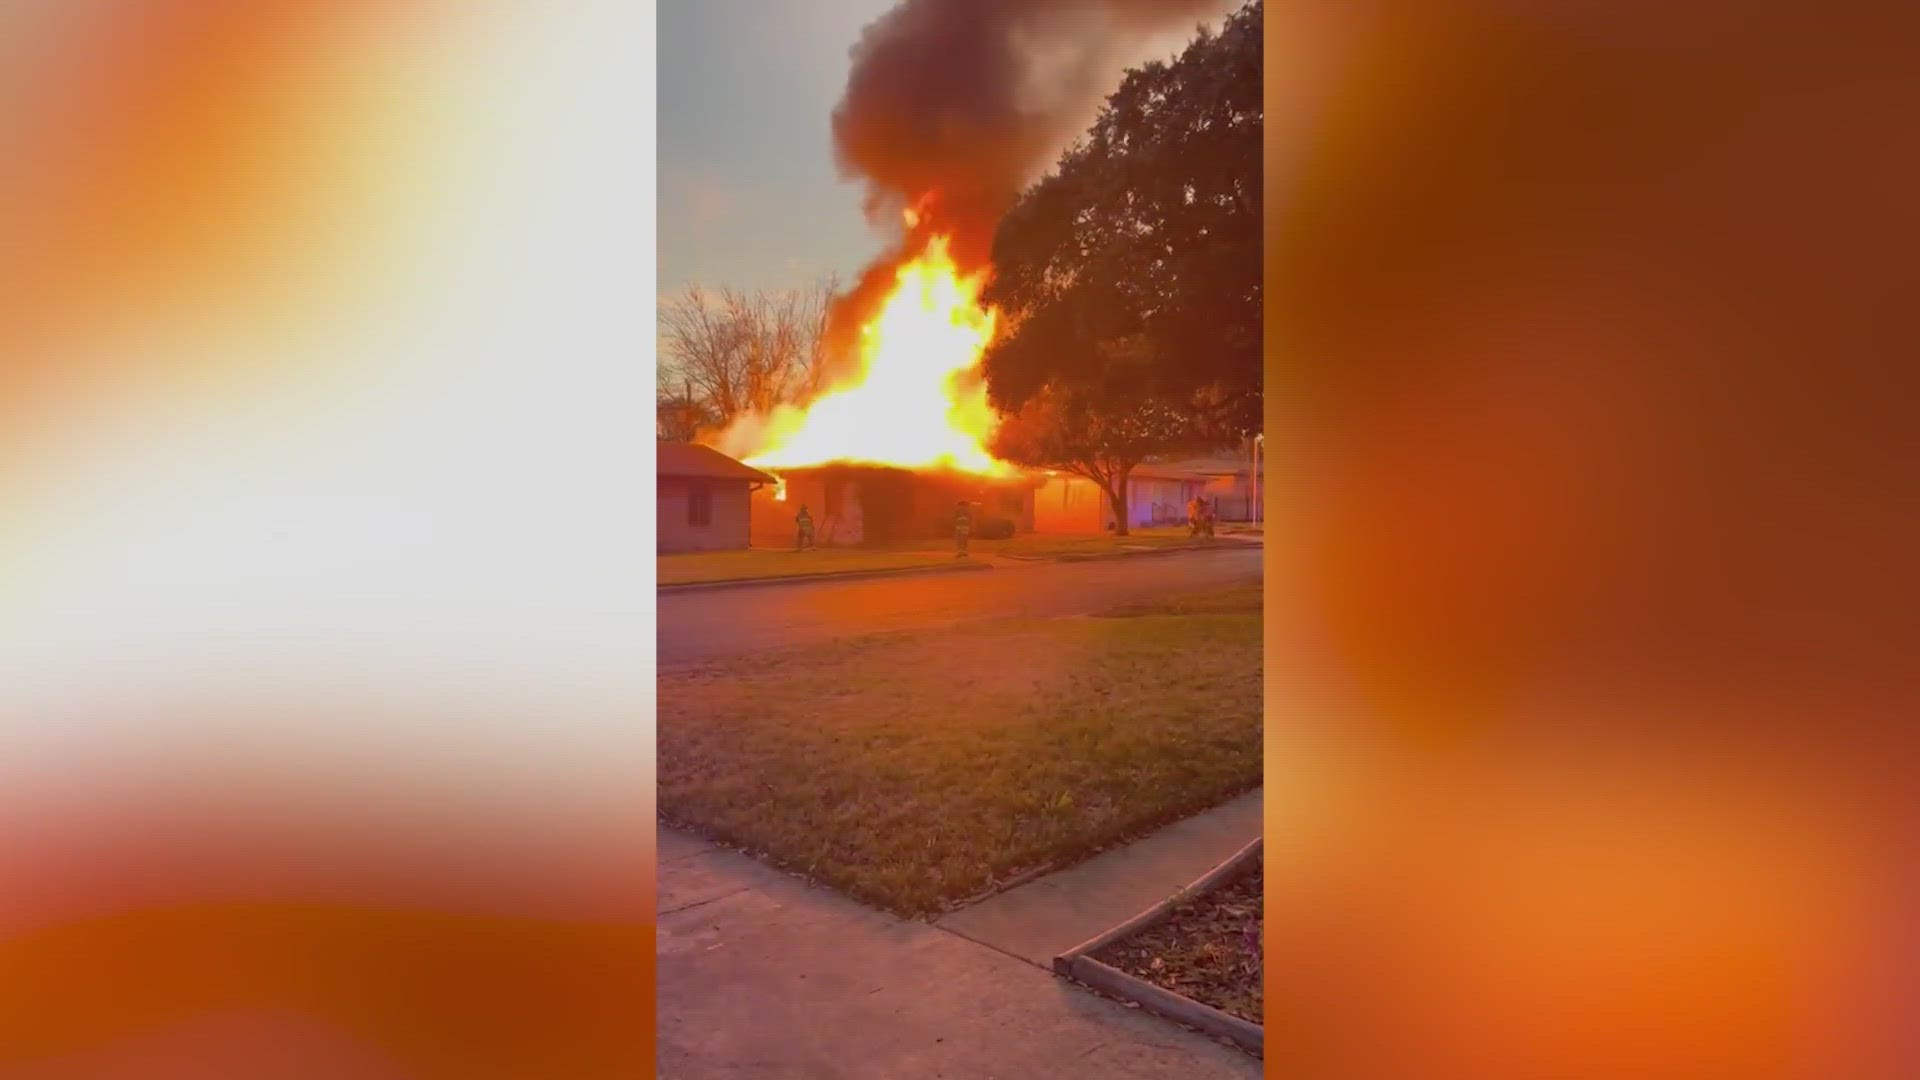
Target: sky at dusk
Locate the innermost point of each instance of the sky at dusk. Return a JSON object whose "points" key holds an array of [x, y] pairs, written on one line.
{"points": [[749, 195]]}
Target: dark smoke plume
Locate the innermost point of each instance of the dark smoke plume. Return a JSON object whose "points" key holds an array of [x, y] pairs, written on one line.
{"points": [[954, 106]]}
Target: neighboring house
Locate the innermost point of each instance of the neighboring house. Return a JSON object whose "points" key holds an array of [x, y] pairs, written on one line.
{"points": [[1156, 495], [704, 498], [1232, 484]]}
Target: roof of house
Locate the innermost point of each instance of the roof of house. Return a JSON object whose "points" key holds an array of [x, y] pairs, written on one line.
{"points": [[1217, 466], [1149, 470], [694, 460], [1158, 471]]}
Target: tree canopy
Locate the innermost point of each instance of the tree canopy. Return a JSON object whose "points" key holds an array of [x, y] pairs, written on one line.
{"points": [[1128, 280], [1130, 277]]}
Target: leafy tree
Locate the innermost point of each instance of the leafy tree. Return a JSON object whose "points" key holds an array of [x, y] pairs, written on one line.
{"points": [[1129, 279], [1096, 440]]}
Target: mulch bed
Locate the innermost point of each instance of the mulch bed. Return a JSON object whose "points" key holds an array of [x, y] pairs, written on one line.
{"points": [[1208, 950]]}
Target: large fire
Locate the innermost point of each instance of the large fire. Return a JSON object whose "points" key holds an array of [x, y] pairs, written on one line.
{"points": [[915, 400]]}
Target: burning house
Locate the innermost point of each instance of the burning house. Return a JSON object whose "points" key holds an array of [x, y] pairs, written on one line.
{"points": [[890, 452], [856, 504], [940, 122]]}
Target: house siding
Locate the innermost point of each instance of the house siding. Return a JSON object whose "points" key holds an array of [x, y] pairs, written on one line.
{"points": [[1067, 505], [1153, 500], [727, 529], [1233, 496], [836, 517], [857, 504]]}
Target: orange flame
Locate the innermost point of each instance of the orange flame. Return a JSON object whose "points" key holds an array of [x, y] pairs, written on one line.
{"points": [[916, 401]]}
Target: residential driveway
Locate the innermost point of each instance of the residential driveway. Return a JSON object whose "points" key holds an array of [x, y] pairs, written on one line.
{"points": [[699, 625], [762, 976]]}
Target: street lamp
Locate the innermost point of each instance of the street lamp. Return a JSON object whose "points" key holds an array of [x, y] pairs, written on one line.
{"points": [[1259, 445]]}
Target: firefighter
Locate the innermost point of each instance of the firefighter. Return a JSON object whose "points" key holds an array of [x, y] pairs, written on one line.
{"points": [[805, 522], [962, 528], [1194, 512]]}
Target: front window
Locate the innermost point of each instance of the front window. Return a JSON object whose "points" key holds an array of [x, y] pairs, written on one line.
{"points": [[699, 505]]}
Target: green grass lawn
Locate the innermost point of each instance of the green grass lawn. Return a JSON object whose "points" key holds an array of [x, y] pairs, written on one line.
{"points": [[915, 770], [705, 566]]}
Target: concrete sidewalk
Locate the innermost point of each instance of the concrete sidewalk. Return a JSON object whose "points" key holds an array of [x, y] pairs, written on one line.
{"points": [[1044, 918], [763, 976]]}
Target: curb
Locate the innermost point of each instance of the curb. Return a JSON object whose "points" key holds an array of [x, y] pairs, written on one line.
{"points": [[1245, 1034], [1079, 965], [832, 575], [1151, 552], [1104, 556]]}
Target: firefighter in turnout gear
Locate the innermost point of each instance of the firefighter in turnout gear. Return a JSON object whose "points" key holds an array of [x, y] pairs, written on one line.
{"points": [[1200, 517], [962, 528], [805, 522]]}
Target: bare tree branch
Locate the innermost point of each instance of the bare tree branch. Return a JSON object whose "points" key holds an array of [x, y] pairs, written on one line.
{"points": [[732, 352]]}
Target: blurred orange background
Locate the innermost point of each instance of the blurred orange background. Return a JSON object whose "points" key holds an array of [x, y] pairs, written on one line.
{"points": [[1590, 621], [205, 207]]}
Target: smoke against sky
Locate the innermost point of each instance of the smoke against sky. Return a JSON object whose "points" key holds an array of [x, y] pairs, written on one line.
{"points": [[973, 99], [953, 106]]}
